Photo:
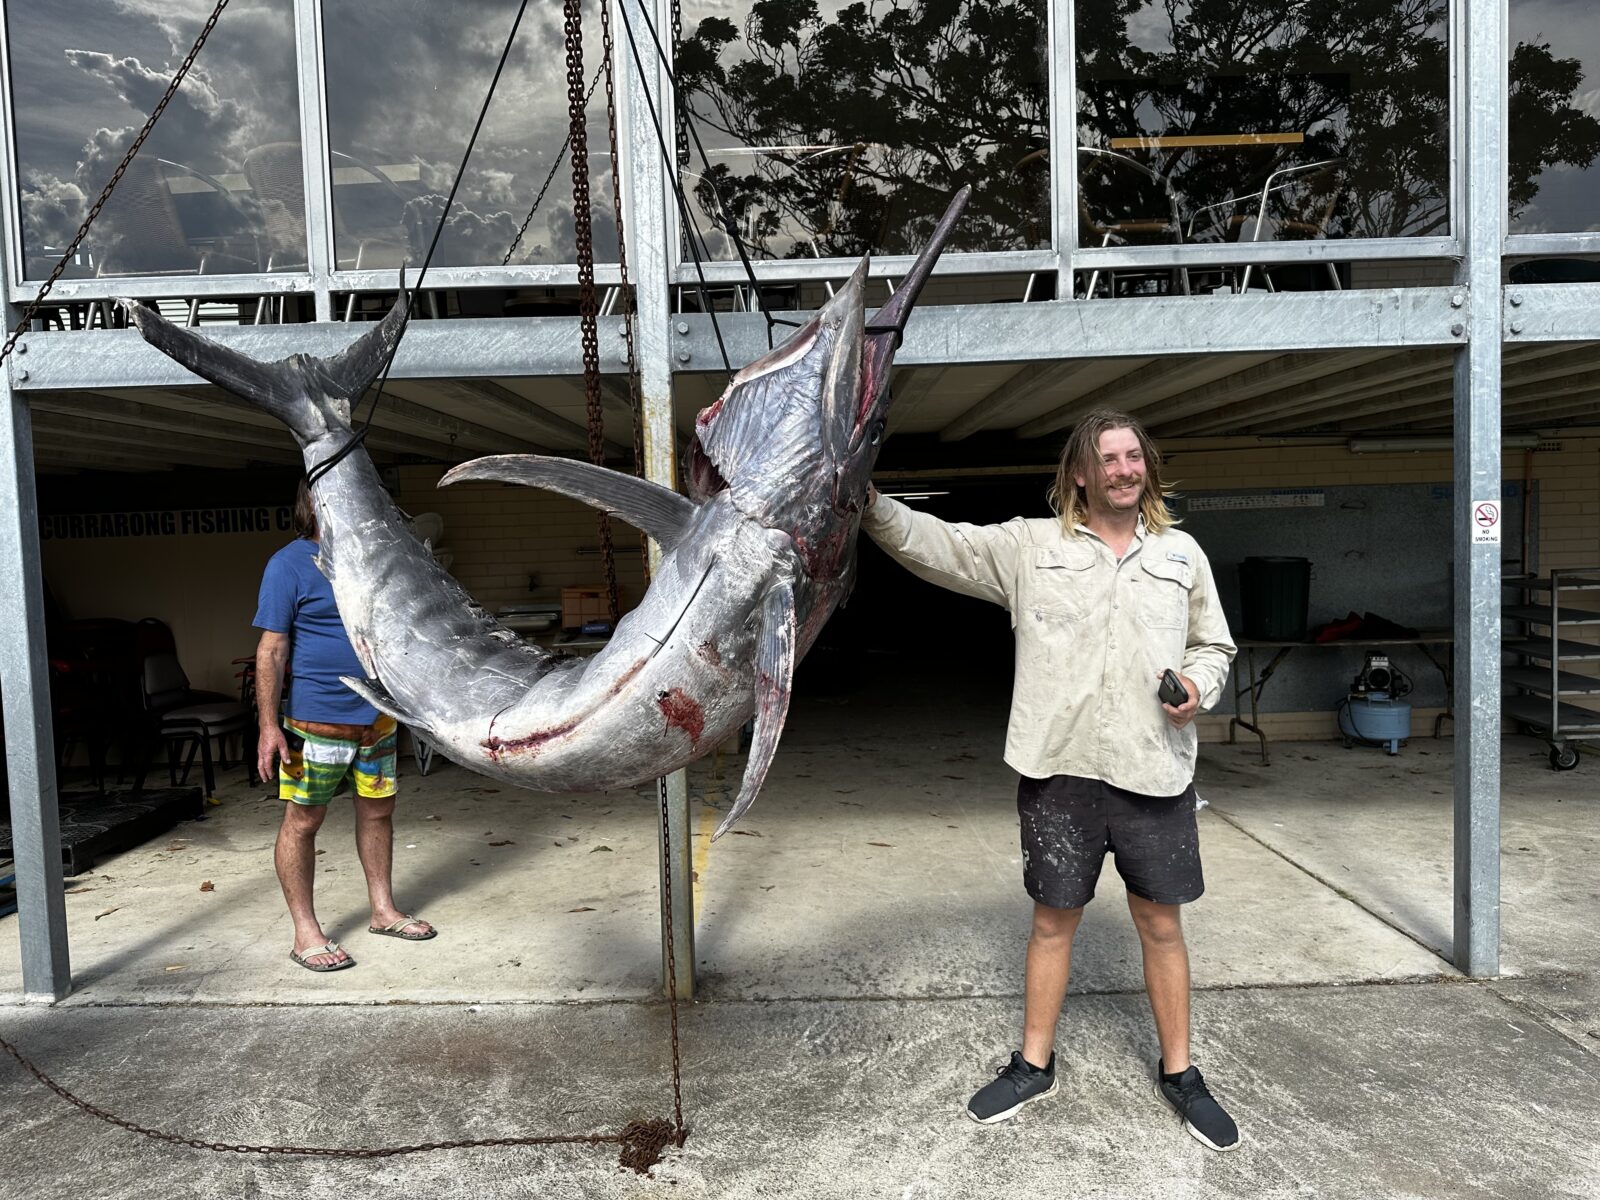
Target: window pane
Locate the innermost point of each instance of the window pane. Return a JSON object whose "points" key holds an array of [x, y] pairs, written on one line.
{"points": [[85, 75], [406, 79], [837, 129], [1264, 120], [1555, 116]]}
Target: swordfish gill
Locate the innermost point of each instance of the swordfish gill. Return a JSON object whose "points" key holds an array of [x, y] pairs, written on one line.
{"points": [[754, 560]]}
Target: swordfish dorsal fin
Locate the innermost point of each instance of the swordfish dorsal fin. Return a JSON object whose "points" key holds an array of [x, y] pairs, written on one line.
{"points": [[774, 674], [287, 389], [658, 511]]}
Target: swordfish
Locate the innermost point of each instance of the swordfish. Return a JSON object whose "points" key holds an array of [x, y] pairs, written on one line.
{"points": [[754, 560]]}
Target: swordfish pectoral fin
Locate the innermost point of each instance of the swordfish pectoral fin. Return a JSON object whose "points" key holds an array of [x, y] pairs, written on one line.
{"points": [[774, 674], [658, 511], [374, 695]]}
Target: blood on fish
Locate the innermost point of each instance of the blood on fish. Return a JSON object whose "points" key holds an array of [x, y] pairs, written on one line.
{"points": [[683, 712], [708, 651], [497, 746]]}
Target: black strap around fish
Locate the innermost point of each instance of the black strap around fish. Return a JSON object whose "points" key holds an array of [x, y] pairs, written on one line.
{"points": [[356, 438]]}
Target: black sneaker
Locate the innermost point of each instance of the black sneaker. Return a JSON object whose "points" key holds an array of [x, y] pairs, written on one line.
{"points": [[1202, 1116], [1019, 1083]]}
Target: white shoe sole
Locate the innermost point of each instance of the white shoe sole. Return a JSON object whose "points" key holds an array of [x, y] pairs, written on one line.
{"points": [[1193, 1132], [1016, 1108]]}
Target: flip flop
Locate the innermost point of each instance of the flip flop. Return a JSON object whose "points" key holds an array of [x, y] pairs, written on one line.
{"points": [[397, 929], [332, 947]]}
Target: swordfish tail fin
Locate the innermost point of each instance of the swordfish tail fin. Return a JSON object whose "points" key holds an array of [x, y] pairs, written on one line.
{"points": [[312, 396]]}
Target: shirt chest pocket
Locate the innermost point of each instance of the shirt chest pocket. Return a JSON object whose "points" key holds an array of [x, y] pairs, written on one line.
{"points": [[1058, 583], [1164, 587]]}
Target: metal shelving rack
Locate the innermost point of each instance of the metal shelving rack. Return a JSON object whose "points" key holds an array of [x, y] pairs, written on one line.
{"points": [[1536, 699]]}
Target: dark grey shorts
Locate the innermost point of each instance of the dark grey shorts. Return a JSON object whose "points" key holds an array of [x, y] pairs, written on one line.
{"points": [[1068, 825]]}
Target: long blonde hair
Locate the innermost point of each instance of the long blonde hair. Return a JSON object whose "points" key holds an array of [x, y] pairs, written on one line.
{"points": [[1081, 456]]}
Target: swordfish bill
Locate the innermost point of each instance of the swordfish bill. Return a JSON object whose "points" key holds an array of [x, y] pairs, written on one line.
{"points": [[754, 560]]}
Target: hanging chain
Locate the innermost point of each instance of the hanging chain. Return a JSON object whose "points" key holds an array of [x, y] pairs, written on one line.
{"points": [[116, 177], [680, 105], [544, 187], [588, 310], [637, 1138], [635, 400], [641, 1140]]}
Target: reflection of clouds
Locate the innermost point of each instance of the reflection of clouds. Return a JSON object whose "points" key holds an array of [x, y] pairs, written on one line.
{"points": [[239, 94], [405, 81]]}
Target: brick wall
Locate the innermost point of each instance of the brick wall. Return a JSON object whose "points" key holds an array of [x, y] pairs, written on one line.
{"points": [[498, 535]]}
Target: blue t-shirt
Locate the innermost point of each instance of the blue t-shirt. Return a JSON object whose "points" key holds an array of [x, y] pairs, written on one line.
{"points": [[297, 599]]}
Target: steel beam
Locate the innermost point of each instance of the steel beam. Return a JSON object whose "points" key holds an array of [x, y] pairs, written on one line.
{"points": [[539, 420], [1062, 65], [1480, 94], [1138, 327], [316, 167], [1220, 254], [1287, 372], [29, 733], [648, 238], [193, 449], [1132, 392], [912, 385], [1552, 312], [1024, 386]]}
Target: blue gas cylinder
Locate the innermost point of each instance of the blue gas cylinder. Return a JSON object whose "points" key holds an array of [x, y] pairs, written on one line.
{"points": [[1375, 718]]}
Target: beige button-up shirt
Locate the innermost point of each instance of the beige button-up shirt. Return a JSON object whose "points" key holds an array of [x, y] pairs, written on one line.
{"points": [[1092, 632]]}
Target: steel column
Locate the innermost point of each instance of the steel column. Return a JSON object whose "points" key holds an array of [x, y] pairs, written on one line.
{"points": [[315, 162], [29, 733], [1480, 34], [1063, 110], [647, 228]]}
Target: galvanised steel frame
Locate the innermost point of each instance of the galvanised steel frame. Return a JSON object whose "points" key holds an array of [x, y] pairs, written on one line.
{"points": [[1473, 316]]}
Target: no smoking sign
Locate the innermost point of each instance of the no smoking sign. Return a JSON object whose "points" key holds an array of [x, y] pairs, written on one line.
{"points": [[1486, 522]]}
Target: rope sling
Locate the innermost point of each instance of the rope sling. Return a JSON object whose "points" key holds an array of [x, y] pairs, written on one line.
{"points": [[641, 1140]]}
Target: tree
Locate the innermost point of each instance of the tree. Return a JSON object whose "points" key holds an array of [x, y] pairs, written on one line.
{"points": [[861, 122]]}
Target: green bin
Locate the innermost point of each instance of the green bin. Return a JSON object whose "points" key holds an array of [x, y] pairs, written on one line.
{"points": [[1274, 595]]}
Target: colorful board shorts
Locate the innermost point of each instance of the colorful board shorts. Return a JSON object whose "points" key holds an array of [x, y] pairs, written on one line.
{"points": [[318, 767]]}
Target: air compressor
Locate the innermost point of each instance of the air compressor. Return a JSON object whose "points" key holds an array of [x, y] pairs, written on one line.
{"points": [[1375, 712]]}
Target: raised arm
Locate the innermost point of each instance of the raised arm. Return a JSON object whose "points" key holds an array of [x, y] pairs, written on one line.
{"points": [[976, 560]]}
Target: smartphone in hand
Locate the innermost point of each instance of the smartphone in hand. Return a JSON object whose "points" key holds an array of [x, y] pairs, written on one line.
{"points": [[1172, 690]]}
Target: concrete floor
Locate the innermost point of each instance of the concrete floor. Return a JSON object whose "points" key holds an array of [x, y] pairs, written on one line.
{"points": [[860, 949]]}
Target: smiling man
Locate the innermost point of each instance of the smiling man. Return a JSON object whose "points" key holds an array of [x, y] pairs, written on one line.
{"points": [[1104, 598]]}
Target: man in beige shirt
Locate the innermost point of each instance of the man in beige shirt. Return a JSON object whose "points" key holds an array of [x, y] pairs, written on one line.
{"points": [[1103, 600]]}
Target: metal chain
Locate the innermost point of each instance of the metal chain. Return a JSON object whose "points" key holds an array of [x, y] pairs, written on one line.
{"points": [[636, 1138], [116, 178], [588, 310], [680, 1132], [680, 106], [554, 167], [635, 400]]}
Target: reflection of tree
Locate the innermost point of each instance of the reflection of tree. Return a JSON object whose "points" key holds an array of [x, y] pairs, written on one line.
{"points": [[874, 114], [1546, 130], [867, 121]]}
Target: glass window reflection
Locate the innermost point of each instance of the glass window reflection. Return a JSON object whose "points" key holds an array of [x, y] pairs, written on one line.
{"points": [[1554, 119], [85, 75], [1237, 120], [405, 80], [836, 129]]}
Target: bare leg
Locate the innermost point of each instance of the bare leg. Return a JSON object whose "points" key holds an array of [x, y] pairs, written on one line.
{"points": [[1049, 965], [375, 846], [1166, 976], [295, 856]]}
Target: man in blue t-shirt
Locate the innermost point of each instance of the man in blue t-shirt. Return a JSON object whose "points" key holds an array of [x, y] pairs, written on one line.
{"points": [[330, 738]]}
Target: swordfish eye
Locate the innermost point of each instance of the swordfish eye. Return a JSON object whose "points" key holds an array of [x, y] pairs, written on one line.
{"points": [[875, 434]]}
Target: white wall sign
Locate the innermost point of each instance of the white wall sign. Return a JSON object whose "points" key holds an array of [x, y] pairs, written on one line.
{"points": [[1486, 522]]}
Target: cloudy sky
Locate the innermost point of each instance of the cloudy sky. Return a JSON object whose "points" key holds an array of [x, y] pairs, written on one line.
{"points": [[406, 78]]}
